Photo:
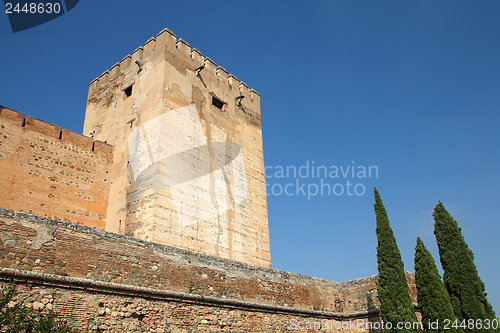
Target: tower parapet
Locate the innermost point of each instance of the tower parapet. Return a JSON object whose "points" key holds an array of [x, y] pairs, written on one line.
{"points": [[188, 161]]}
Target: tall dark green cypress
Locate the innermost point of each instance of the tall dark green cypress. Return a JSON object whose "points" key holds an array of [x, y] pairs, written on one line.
{"points": [[433, 299], [461, 278], [392, 286]]}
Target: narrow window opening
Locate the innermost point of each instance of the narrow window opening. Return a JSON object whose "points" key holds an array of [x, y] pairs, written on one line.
{"points": [[128, 91], [217, 102], [60, 135], [24, 122]]}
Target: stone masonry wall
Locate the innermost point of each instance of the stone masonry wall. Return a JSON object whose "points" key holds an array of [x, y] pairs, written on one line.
{"points": [[48, 246], [103, 281], [52, 172], [105, 307]]}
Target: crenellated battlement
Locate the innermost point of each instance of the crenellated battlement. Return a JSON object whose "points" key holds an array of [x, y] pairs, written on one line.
{"points": [[47, 129], [166, 42]]}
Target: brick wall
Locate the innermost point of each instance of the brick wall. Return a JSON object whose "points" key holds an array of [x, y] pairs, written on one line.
{"points": [[52, 172]]}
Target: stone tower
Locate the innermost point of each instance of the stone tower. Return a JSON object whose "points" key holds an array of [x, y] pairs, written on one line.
{"points": [[188, 165]]}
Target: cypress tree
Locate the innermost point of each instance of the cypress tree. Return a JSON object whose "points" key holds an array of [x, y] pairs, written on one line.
{"points": [[461, 279], [396, 305], [433, 299]]}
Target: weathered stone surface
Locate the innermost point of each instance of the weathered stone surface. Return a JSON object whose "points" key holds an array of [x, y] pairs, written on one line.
{"points": [[38, 306], [188, 161], [10, 242]]}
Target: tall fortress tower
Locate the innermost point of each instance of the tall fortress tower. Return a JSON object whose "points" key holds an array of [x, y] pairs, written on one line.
{"points": [[188, 166]]}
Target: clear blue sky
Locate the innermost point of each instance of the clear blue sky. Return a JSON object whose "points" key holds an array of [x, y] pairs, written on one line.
{"points": [[411, 87]]}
